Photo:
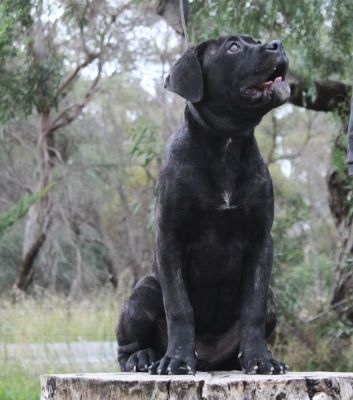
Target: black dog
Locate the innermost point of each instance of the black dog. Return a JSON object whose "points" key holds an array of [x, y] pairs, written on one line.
{"points": [[205, 306]]}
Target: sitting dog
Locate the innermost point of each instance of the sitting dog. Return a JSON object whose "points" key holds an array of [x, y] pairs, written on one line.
{"points": [[207, 304]]}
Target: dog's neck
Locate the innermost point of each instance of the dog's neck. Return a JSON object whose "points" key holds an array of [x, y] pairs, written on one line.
{"points": [[216, 124]]}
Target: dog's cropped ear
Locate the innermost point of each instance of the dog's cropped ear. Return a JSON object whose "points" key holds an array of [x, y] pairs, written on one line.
{"points": [[185, 77]]}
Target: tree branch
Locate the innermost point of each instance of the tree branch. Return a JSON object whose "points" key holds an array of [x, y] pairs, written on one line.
{"points": [[88, 60], [69, 114], [320, 95]]}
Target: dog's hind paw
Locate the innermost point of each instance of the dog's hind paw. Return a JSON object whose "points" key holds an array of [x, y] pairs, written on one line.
{"points": [[141, 360]]}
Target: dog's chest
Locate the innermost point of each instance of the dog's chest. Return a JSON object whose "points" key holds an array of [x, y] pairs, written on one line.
{"points": [[227, 201], [233, 182]]}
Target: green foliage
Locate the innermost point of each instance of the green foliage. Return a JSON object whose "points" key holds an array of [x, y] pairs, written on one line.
{"points": [[313, 346], [20, 209], [289, 237], [42, 80], [144, 142], [15, 20], [30, 68], [317, 34]]}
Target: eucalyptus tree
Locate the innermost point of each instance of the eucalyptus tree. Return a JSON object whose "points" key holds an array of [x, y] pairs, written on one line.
{"points": [[47, 49]]}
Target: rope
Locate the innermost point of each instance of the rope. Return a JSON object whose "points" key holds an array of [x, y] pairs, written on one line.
{"points": [[184, 13]]}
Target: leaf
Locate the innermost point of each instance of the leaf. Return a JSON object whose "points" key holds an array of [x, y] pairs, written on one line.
{"points": [[20, 209]]}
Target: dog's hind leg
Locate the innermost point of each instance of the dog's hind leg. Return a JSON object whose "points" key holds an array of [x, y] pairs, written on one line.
{"points": [[136, 326]]}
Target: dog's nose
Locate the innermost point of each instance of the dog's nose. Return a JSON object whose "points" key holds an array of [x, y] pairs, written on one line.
{"points": [[274, 45]]}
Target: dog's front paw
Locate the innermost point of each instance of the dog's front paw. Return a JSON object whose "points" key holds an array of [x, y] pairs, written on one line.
{"points": [[176, 363], [260, 362]]}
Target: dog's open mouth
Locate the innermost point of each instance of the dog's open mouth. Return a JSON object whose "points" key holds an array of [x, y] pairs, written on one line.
{"points": [[273, 87], [278, 75]]}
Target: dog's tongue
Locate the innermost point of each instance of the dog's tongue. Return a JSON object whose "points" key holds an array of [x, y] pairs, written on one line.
{"points": [[269, 83]]}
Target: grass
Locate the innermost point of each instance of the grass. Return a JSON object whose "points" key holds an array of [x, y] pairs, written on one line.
{"points": [[22, 383], [48, 320], [57, 320], [17, 383]]}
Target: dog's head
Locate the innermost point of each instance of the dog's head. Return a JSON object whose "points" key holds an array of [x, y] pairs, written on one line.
{"points": [[232, 72]]}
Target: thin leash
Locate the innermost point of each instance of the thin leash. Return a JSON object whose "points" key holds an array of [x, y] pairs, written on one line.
{"points": [[184, 14], [350, 141]]}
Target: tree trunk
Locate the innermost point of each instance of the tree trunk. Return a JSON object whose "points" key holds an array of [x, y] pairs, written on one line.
{"points": [[203, 386], [340, 193], [39, 216]]}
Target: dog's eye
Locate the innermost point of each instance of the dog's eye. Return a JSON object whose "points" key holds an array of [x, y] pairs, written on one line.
{"points": [[233, 48]]}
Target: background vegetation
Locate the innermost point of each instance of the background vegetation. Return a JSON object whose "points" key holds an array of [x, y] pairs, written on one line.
{"points": [[83, 121]]}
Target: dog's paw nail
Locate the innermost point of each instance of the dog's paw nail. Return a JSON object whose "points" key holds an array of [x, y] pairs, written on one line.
{"points": [[159, 371], [135, 368], [190, 371], [240, 355]]}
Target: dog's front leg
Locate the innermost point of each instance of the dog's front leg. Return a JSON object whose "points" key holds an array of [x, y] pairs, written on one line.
{"points": [[254, 357], [180, 355]]}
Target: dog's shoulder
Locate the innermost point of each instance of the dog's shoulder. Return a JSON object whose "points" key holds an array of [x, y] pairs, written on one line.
{"points": [[177, 173], [177, 149]]}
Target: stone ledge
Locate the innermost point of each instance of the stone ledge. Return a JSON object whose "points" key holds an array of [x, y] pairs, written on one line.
{"points": [[209, 386]]}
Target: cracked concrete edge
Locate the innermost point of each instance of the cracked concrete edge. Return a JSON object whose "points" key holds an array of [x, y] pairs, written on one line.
{"points": [[204, 386]]}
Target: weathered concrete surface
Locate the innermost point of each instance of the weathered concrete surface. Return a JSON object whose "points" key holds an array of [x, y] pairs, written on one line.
{"points": [[209, 386]]}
